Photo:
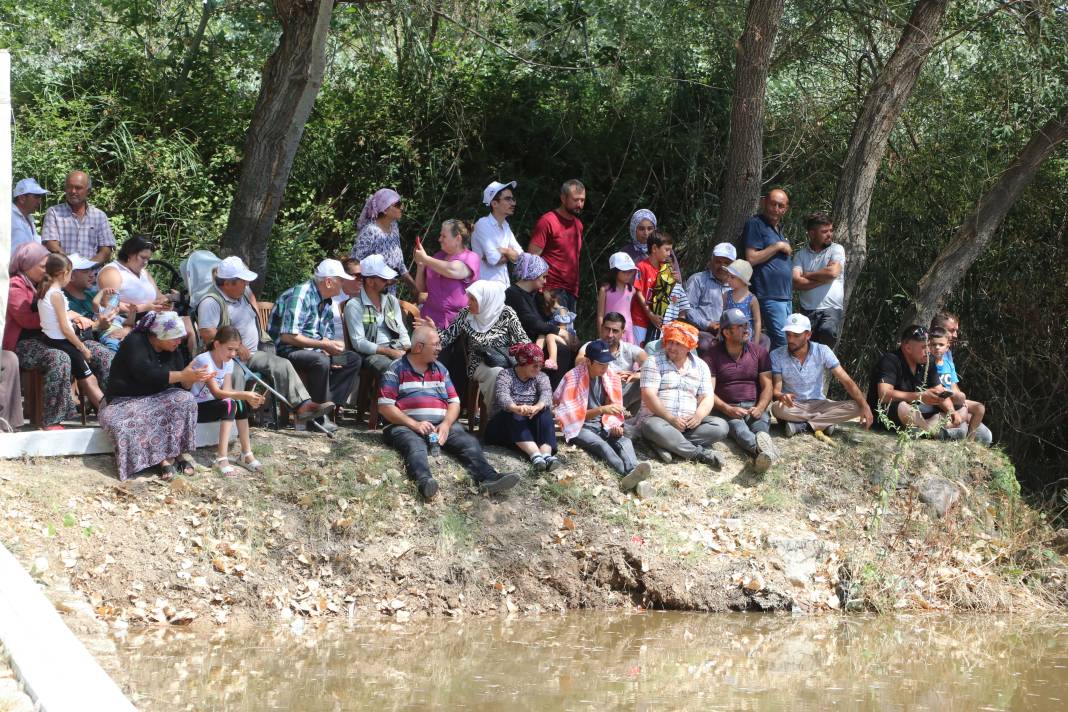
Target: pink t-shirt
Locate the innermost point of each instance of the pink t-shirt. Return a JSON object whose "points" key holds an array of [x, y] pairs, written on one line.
{"points": [[446, 296]]}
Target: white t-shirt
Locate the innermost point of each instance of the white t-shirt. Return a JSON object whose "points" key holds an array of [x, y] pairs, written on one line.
{"points": [[135, 289], [487, 239], [201, 392], [49, 318], [825, 296]]}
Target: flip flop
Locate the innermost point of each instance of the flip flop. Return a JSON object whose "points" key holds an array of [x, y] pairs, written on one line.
{"points": [[189, 468], [167, 472]]}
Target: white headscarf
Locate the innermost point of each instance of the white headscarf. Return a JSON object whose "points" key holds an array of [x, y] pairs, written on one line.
{"points": [[490, 297]]}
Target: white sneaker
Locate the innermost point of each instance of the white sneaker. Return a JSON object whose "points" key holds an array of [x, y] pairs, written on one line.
{"points": [[640, 473]]}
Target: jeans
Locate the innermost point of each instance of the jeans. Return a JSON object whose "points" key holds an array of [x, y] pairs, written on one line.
{"points": [[773, 313], [688, 445], [744, 430], [324, 381], [507, 429], [826, 324], [413, 448], [617, 452]]}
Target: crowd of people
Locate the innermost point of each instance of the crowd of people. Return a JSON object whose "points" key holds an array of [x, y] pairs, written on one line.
{"points": [[678, 364]]}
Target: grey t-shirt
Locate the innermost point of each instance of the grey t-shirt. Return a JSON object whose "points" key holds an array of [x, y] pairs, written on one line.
{"points": [[242, 317], [825, 296]]}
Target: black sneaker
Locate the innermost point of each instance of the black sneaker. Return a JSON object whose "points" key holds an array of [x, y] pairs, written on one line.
{"points": [[428, 488], [790, 428], [711, 458], [503, 482]]}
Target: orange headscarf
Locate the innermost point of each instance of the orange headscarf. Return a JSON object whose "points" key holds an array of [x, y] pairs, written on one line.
{"points": [[682, 333]]}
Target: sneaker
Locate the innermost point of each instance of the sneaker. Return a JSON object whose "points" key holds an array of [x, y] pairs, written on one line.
{"points": [[830, 429], [765, 454], [664, 455], [639, 474], [551, 461], [790, 429], [711, 458], [539, 463], [503, 482], [428, 489]]}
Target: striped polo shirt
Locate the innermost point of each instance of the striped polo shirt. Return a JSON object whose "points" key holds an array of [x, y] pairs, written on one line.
{"points": [[421, 396]]}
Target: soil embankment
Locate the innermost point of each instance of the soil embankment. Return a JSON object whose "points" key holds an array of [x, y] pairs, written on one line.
{"points": [[335, 529]]}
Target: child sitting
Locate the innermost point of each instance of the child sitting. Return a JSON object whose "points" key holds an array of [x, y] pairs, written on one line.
{"points": [[57, 330], [618, 293], [739, 297], [217, 401], [551, 308], [938, 342]]}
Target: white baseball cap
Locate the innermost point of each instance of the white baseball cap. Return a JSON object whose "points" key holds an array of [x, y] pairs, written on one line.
{"points": [[234, 268], [725, 249], [333, 268], [28, 186], [375, 266], [797, 323], [79, 262], [621, 261], [496, 187]]}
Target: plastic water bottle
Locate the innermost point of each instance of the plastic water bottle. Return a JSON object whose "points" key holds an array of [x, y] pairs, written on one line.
{"points": [[432, 440]]}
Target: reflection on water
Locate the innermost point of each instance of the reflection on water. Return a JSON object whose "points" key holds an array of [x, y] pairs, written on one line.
{"points": [[601, 662]]}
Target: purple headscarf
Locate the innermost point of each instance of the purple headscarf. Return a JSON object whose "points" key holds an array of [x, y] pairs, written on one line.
{"points": [[376, 205], [26, 256], [635, 220], [530, 266]]}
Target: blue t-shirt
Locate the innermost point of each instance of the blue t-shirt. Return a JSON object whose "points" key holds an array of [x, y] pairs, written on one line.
{"points": [[803, 380], [772, 279], [947, 372]]}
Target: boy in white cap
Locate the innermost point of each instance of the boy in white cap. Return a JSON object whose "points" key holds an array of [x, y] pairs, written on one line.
{"points": [[492, 239], [302, 327], [27, 201], [797, 391], [374, 317]]}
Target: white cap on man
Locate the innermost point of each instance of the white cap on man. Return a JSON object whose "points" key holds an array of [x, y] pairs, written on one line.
{"points": [[725, 249], [622, 261], [496, 187], [375, 266], [79, 262], [28, 186], [332, 268], [797, 323], [234, 268]]}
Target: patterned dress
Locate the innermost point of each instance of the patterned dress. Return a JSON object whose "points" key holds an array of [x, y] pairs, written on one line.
{"points": [[373, 241], [507, 331]]}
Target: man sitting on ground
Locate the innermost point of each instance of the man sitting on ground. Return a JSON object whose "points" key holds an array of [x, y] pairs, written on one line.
{"points": [[417, 397], [677, 399], [374, 318], [797, 378], [972, 411], [904, 385], [229, 303], [742, 371], [302, 327], [627, 358], [588, 404]]}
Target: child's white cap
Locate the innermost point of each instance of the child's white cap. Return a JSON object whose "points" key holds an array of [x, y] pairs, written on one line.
{"points": [[622, 262]]}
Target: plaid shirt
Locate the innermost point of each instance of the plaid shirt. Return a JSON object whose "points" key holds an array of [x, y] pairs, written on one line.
{"points": [[678, 389], [84, 237], [301, 311]]}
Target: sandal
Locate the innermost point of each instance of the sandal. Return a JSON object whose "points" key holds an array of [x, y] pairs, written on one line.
{"points": [[189, 468], [225, 468], [252, 465], [167, 472]]}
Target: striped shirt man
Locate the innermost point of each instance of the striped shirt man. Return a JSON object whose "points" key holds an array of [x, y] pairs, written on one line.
{"points": [[421, 396], [302, 311]]}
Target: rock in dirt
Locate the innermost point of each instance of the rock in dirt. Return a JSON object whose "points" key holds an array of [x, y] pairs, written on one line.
{"points": [[939, 493]]}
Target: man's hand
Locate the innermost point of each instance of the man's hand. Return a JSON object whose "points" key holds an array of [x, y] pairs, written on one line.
{"points": [[785, 247], [866, 417], [693, 421], [955, 418], [678, 423], [657, 321], [81, 322], [786, 399], [331, 347], [392, 353], [616, 432], [756, 412], [443, 432], [627, 376], [930, 396], [423, 427], [508, 253], [611, 409], [735, 412]]}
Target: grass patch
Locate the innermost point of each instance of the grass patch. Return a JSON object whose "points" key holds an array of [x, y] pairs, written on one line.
{"points": [[569, 494], [455, 530]]}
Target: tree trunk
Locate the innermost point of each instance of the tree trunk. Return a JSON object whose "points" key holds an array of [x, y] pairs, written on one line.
{"points": [[973, 235], [291, 79], [883, 104], [745, 151]]}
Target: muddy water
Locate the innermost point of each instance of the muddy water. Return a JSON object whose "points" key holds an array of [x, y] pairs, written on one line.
{"points": [[603, 662]]}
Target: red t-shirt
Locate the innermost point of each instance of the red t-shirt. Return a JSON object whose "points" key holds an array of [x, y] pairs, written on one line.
{"points": [[560, 240], [644, 279]]}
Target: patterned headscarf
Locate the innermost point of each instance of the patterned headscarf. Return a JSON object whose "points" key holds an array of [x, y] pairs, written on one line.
{"points": [[527, 353], [26, 256], [376, 205], [681, 333], [529, 266], [635, 220], [163, 325]]}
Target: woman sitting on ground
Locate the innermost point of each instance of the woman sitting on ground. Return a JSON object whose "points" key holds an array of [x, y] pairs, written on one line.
{"points": [[377, 233], [22, 335], [521, 413], [491, 328], [530, 274], [151, 420]]}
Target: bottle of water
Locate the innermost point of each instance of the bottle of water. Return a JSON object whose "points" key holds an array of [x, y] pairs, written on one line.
{"points": [[434, 446]]}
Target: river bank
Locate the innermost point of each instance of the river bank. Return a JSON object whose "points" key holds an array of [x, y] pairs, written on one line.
{"points": [[334, 529]]}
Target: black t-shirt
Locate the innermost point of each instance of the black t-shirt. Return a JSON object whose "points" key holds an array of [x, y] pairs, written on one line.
{"points": [[892, 368]]}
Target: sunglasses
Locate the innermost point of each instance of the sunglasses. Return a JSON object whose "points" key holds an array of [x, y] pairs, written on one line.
{"points": [[916, 333]]}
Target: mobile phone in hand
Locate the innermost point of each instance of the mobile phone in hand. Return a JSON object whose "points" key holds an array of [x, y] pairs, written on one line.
{"points": [[945, 394]]}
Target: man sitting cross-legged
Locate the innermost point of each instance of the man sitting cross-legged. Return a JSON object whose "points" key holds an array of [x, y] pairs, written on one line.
{"points": [[797, 378], [418, 399], [588, 404]]}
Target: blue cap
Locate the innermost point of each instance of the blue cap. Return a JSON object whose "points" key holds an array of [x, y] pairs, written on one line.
{"points": [[28, 186], [598, 351]]}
